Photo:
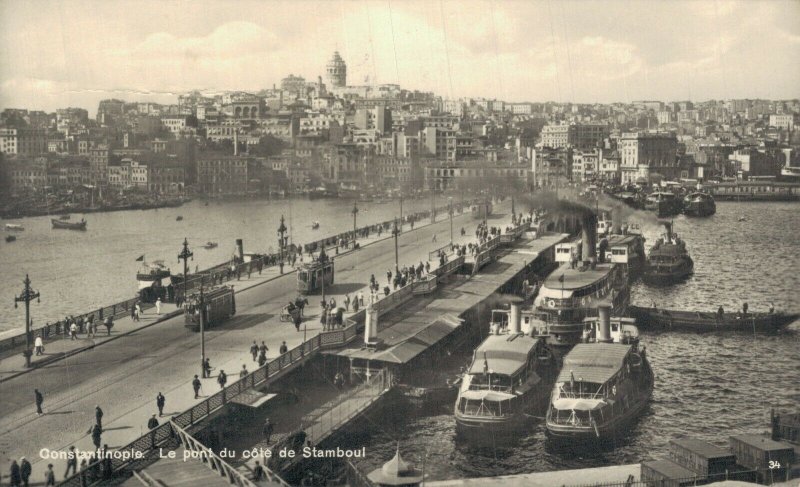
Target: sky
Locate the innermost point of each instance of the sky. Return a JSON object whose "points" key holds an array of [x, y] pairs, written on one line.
{"points": [[76, 52]]}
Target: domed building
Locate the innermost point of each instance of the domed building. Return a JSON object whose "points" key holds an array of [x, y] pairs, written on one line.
{"points": [[337, 71]]}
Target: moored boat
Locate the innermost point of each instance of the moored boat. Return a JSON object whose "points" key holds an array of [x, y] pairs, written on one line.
{"points": [[210, 245], [663, 203], [14, 227], [64, 217], [699, 204], [81, 225], [178, 218], [668, 261], [604, 383], [511, 373], [10, 238], [314, 225], [699, 321]]}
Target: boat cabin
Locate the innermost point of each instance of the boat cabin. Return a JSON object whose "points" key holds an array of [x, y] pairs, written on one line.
{"points": [[568, 252], [568, 294]]}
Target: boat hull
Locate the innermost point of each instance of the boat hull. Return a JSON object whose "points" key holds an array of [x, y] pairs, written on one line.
{"points": [[658, 319], [614, 428], [699, 209], [63, 225], [657, 277]]}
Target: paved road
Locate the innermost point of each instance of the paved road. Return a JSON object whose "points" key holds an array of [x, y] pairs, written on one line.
{"points": [[124, 376]]}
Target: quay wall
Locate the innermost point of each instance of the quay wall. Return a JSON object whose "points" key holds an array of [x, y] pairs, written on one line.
{"points": [[218, 274]]}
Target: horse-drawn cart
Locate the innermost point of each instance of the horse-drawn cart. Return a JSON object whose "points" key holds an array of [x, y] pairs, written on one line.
{"points": [[289, 312]]}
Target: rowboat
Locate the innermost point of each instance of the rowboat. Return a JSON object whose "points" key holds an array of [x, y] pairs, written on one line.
{"points": [[81, 225], [664, 319], [10, 238], [210, 245], [15, 227]]}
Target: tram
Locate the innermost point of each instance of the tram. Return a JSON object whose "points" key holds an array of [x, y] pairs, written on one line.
{"points": [[219, 304], [314, 276]]}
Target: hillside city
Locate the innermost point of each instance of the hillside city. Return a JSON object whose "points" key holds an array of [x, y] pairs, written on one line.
{"points": [[328, 137]]}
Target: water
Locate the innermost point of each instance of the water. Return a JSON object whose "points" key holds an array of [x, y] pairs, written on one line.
{"points": [[707, 386], [79, 271]]}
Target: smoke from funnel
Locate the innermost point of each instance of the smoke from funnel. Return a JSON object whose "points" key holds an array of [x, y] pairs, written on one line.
{"points": [[589, 237]]}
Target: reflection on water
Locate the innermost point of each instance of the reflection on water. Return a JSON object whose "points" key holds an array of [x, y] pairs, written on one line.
{"points": [[708, 386]]}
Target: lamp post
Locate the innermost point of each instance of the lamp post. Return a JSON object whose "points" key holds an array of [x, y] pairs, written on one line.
{"points": [[395, 232], [185, 255], [27, 295], [281, 242], [354, 211], [450, 212], [401, 210], [202, 306]]}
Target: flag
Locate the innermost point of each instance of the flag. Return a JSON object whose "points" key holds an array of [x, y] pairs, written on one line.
{"points": [[485, 364], [140, 259], [561, 278], [571, 381]]}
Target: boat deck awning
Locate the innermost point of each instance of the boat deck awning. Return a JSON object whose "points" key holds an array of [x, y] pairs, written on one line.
{"points": [[564, 403], [252, 398]]}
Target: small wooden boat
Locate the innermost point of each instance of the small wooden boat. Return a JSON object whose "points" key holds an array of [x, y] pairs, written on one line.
{"points": [[210, 245], [14, 227], [64, 217], [178, 218], [10, 238], [81, 225], [314, 225], [699, 321]]}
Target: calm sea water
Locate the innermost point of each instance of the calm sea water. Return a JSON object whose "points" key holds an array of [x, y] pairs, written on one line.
{"points": [[707, 386], [79, 271]]}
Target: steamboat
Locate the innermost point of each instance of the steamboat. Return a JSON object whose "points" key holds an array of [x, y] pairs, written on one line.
{"points": [[669, 260], [663, 203], [699, 204], [604, 385], [510, 374]]}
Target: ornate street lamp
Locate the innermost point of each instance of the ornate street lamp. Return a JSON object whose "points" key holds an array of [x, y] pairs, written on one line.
{"points": [[354, 211], [450, 212], [27, 295], [395, 232], [281, 241], [185, 255]]}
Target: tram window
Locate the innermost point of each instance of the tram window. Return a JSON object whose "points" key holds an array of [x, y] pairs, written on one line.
{"points": [[302, 276], [614, 327]]}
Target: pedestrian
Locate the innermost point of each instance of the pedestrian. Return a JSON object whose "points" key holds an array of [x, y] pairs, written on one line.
{"points": [[38, 345], [72, 462], [15, 475], [258, 472], [160, 401], [98, 416], [152, 423], [50, 476], [268, 429], [222, 378], [389, 276], [262, 359], [73, 331], [133, 313], [96, 433], [206, 368], [158, 306], [196, 386], [254, 350], [243, 373], [297, 320], [386, 290], [361, 298], [283, 348], [263, 349], [744, 309], [39, 401], [25, 471], [347, 302], [109, 323], [434, 238]]}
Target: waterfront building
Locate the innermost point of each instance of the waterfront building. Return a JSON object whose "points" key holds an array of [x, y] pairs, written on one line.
{"points": [[336, 70], [98, 163], [25, 174], [578, 135], [644, 156], [23, 141], [474, 175], [166, 177], [221, 174]]}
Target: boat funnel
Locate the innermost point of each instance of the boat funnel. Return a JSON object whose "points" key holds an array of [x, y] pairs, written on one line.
{"points": [[240, 249], [371, 325], [604, 324], [616, 220], [514, 319], [589, 238]]}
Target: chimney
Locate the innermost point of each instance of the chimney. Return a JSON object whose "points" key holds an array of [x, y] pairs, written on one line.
{"points": [[240, 249], [371, 325], [514, 319], [589, 238], [604, 324]]}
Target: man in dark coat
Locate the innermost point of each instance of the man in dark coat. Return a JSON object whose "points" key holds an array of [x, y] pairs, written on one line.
{"points": [[268, 429], [39, 401], [152, 423], [254, 350], [98, 416], [283, 348], [196, 386], [96, 432], [15, 476], [72, 462], [222, 378], [160, 402], [25, 470]]}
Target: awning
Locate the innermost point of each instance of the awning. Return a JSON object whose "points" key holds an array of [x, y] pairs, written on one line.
{"points": [[565, 403], [478, 395], [252, 398]]}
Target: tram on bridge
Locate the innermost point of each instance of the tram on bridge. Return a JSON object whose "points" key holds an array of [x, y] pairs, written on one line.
{"points": [[216, 306], [314, 276]]}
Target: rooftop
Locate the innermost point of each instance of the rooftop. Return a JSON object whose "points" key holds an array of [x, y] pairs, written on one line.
{"points": [[576, 278], [593, 362]]}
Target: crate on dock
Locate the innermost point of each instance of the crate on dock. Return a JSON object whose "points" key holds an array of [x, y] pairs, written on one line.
{"points": [[666, 473], [701, 457], [772, 459]]}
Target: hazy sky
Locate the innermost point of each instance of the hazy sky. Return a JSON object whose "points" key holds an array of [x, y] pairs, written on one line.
{"points": [[74, 53]]}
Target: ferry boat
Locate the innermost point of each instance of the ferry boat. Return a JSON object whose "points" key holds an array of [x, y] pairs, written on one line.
{"points": [[669, 260], [604, 384], [663, 203], [699, 204], [510, 374], [64, 225], [314, 225], [574, 290], [151, 273]]}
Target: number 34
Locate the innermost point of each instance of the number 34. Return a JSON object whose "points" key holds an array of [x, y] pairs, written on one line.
{"points": [[773, 464]]}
